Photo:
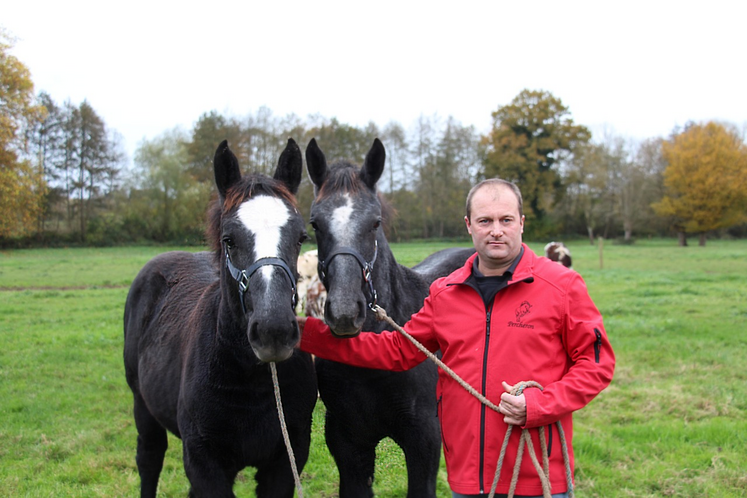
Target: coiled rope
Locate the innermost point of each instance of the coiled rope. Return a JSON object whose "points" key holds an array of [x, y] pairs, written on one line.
{"points": [[516, 390], [284, 428]]}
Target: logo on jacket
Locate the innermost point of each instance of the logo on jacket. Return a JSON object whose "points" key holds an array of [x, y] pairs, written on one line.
{"points": [[523, 310]]}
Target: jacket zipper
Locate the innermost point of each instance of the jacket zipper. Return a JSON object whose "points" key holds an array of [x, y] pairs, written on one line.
{"points": [[597, 345], [483, 392]]}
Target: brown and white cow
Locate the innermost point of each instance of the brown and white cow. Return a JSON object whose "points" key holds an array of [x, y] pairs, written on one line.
{"points": [[311, 291], [558, 252]]}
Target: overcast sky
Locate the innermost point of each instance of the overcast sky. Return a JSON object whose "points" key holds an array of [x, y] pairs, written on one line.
{"points": [[637, 69]]}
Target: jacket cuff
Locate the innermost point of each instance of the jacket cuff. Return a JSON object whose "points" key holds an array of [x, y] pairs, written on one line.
{"points": [[531, 396]]}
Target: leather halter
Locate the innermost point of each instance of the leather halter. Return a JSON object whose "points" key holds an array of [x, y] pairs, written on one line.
{"points": [[366, 267], [243, 276]]}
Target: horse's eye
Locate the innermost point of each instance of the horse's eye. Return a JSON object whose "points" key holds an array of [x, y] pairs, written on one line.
{"points": [[303, 238], [377, 224], [228, 241], [314, 226]]}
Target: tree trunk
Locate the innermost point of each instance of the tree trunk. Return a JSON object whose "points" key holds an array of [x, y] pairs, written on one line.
{"points": [[702, 240], [628, 227], [682, 238], [591, 235]]}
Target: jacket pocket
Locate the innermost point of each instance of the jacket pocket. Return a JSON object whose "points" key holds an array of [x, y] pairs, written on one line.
{"points": [[597, 345]]}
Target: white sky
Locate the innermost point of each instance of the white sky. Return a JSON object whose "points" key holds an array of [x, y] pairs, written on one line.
{"points": [[636, 68]]}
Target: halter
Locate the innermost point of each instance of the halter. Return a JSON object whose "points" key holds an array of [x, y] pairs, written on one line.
{"points": [[366, 266], [243, 276]]}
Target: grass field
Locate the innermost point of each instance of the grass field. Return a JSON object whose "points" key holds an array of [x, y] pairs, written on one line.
{"points": [[673, 422]]}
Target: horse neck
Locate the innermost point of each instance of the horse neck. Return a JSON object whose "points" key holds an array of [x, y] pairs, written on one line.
{"points": [[231, 342], [400, 290]]}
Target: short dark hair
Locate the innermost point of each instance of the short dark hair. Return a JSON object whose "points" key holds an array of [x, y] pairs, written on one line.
{"points": [[495, 182]]}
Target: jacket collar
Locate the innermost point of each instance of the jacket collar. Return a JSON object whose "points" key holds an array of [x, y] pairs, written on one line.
{"points": [[524, 270]]}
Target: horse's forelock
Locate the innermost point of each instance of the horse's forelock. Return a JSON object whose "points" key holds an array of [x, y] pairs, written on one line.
{"points": [[249, 187], [343, 177]]}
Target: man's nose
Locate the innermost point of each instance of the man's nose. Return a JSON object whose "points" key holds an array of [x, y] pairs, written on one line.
{"points": [[496, 229]]}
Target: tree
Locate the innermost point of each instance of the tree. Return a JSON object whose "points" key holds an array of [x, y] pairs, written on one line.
{"points": [[530, 137], [21, 186], [169, 203], [705, 180], [397, 174], [642, 185], [90, 162], [45, 141], [586, 184], [209, 131]]}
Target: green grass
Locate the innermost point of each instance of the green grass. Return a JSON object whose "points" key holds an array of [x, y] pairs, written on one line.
{"points": [[673, 422]]}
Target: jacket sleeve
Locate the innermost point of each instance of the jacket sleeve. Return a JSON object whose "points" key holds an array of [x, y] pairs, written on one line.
{"points": [[388, 350], [592, 361]]}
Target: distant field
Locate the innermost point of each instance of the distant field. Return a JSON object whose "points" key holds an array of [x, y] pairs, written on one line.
{"points": [[673, 422]]}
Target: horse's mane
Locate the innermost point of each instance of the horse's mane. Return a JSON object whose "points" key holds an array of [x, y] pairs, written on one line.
{"points": [[344, 177], [248, 187]]}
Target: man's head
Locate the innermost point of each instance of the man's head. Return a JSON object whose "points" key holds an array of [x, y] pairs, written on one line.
{"points": [[495, 220]]}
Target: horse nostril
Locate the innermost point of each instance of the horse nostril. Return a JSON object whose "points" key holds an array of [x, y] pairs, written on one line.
{"points": [[254, 333]]}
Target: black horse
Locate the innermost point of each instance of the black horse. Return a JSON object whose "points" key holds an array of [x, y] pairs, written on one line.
{"points": [[357, 267], [201, 329]]}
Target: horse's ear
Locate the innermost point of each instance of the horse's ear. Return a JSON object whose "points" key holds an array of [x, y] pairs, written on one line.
{"points": [[373, 166], [289, 167], [226, 166], [316, 163]]}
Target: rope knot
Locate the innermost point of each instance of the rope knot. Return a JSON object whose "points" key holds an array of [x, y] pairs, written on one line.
{"points": [[379, 313]]}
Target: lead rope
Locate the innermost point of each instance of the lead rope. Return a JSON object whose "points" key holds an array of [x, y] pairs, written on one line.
{"points": [[284, 428], [525, 439]]}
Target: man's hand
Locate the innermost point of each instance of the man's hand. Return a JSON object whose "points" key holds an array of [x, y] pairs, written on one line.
{"points": [[513, 407]]}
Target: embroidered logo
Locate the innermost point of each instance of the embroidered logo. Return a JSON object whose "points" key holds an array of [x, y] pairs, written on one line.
{"points": [[523, 310]]}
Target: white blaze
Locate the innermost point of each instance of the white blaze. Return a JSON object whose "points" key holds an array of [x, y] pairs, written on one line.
{"points": [[265, 217], [341, 221]]}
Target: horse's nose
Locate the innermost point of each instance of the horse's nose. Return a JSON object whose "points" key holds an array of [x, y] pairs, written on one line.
{"points": [[273, 336], [345, 316]]}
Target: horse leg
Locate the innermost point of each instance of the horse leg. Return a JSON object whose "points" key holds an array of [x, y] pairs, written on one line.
{"points": [[275, 478], [152, 442], [207, 478], [421, 444], [355, 461]]}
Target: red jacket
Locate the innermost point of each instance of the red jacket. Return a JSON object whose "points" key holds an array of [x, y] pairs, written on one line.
{"points": [[543, 326]]}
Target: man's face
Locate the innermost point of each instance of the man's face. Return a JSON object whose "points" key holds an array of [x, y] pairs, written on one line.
{"points": [[496, 227]]}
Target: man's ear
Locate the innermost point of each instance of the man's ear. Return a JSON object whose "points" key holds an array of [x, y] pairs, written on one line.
{"points": [[469, 227]]}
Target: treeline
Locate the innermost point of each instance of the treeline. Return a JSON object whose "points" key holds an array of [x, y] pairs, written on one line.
{"points": [[572, 185], [65, 180]]}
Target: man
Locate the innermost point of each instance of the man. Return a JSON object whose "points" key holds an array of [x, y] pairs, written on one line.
{"points": [[506, 316]]}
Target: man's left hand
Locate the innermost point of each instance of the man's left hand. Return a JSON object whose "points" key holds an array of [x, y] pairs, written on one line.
{"points": [[513, 407]]}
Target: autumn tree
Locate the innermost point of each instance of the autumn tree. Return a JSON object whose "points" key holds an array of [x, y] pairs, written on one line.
{"points": [[21, 184], [530, 138], [705, 180]]}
